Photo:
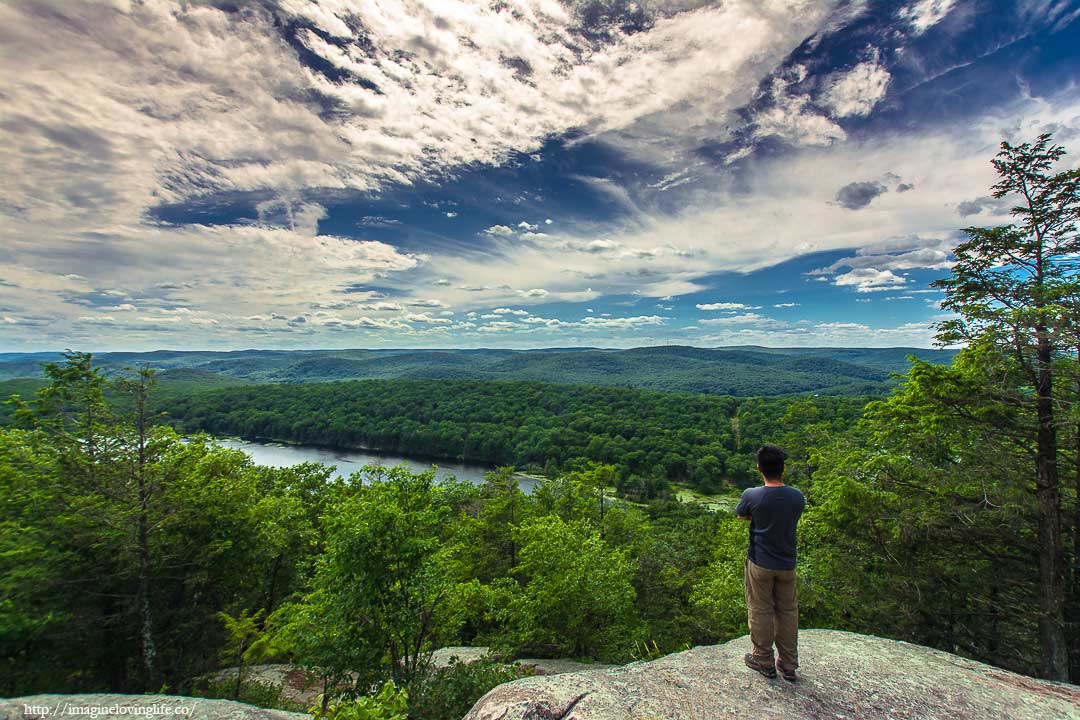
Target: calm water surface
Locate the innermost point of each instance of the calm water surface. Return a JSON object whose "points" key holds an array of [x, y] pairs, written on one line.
{"points": [[346, 462]]}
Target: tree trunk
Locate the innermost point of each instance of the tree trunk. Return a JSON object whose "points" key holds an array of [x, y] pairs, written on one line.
{"points": [[115, 664], [1074, 585], [240, 673], [271, 591], [1055, 659], [149, 649]]}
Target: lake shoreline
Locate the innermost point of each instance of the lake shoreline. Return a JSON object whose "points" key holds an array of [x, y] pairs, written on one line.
{"points": [[261, 450], [418, 457]]}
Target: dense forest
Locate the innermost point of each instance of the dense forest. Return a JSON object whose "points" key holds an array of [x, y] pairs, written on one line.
{"points": [[651, 438], [946, 514], [134, 559]]}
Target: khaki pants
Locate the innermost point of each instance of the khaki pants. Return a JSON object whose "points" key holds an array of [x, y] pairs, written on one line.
{"points": [[773, 611]]}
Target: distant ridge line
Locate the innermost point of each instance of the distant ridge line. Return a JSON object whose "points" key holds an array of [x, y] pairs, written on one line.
{"points": [[742, 370]]}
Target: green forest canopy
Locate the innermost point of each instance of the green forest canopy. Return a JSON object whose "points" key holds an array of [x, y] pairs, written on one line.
{"points": [[648, 436], [119, 534]]}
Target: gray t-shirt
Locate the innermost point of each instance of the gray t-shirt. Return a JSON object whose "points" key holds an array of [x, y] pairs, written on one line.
{"points": [[774, 512]]}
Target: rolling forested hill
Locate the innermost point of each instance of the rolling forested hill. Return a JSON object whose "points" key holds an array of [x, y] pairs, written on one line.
{"points": [[741, 371]]}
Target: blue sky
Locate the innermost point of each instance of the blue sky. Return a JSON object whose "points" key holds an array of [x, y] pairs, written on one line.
{"points": [[528, 173]]}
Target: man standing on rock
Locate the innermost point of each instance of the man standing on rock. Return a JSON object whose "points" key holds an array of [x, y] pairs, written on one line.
{"points": [[772, 606]]}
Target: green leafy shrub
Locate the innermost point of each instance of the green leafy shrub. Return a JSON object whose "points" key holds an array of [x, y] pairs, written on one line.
{"points": [[390, 703], [449, 693], [575, 599], [252, 692]]}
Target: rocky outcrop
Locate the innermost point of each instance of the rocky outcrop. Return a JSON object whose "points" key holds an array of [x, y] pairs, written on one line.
{"points": [[298, 687], [145, 707], [843, 676], [442, 657], [558, 666]]}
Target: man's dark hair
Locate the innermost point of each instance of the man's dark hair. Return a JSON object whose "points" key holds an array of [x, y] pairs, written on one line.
{"points": [[770, 461]]}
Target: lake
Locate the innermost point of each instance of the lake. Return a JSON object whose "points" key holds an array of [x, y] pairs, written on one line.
{"points": [[346, 462]]}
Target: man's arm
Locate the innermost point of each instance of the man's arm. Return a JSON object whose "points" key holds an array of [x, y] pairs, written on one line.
{"points": [[743, 509]]}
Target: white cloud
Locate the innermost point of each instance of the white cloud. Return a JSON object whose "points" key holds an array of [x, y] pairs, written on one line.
{"points": [[870, 280], [380, 306], [500, 231], [856, 92], [366, 322], [835, 334], [924, 14], [425, 318], [786, 305], [869, 271], [933, 255], [500, 326], [790, 118], [598, 246], [724, 306], [280, 268], [27, 320], [548, 322], [622, 323], [744, 319]]}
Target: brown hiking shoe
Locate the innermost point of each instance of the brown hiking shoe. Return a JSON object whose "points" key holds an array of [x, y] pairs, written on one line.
{"points": [[769, 672], [789, 674]]}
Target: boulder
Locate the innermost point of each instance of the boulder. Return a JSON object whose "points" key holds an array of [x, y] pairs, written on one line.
{"points": [[466, 654], [146, 707], [843, 675]]}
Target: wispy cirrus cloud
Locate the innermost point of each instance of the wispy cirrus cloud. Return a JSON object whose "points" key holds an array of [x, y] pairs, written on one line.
{"points": [[175, 101]]}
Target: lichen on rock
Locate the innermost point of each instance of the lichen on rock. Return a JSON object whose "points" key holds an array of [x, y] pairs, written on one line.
{"points": [[843, 676]]}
